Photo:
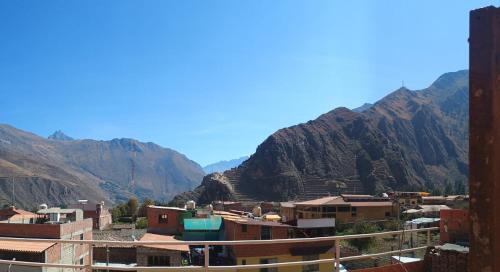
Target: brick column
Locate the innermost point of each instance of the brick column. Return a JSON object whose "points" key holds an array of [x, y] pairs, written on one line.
{"points": [[484, 145]]}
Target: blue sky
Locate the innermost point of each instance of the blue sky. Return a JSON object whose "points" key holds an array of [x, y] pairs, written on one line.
{"points": [[212, 79]]}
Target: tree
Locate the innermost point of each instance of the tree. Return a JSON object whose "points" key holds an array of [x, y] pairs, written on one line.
{"points": [[361, 228], [460, 188], [448, 189], [116, 213], [143, 209], [132, 206], [141, 223]]}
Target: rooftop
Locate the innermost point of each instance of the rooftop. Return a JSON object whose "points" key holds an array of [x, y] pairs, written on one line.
{"points": [[167, 208], [212, 223], [348, 200], [56, 210], [22, 246], [163, 238]]}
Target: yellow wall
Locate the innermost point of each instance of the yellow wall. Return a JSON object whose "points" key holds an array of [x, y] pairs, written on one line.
{"points": [[324, 267]]}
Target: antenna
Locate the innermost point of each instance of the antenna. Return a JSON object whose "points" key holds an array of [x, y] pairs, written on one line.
{"points": [[13, 193], [403, 84]]}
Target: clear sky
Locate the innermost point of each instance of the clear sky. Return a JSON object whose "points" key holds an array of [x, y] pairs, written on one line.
{"points": [[212, 79]]}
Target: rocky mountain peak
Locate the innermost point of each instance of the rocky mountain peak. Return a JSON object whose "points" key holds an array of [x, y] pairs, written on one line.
{"points": [[60, 136]]}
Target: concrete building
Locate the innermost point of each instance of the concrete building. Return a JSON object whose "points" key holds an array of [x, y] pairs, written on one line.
{"points": [[70, 225], [100, 215]]}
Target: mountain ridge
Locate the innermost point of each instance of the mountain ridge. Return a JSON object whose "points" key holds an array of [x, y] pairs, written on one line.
{"points": [[408, 140], [60, 171], [224, 165]]}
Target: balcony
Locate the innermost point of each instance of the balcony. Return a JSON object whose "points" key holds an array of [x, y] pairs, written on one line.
{"points": [[89, 264]]}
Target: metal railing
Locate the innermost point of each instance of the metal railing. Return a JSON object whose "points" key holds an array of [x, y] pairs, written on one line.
{"points": [[206, 267]]}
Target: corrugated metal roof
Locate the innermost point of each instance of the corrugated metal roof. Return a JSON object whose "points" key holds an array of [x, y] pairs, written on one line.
{"points": [[157, 237], [338, 200], [167, 208], [21, 246], [210, 223]]}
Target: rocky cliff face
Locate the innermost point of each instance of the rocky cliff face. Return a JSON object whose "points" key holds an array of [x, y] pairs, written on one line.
{"points": [[55, 171], [409, 140]]}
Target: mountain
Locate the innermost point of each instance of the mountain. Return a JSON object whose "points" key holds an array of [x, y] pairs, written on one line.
{"points": [[222, 166], [61, 172], [409, 140], [59, 136], [363, 107]]}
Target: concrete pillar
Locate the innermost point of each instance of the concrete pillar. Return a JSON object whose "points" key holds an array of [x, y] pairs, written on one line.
{"points": [[484, 143]]}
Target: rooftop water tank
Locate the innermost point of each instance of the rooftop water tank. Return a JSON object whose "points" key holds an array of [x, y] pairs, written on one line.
{"points": [[257, 211], [191, 205]]}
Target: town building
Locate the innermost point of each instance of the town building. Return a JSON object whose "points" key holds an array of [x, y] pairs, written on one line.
{"points": [[53, 223], [241, 228], [165, 220], [408, 200], [41, 252], [452, 201], [318, 217], [161, 255], [13, 215], [426, 211], [100, 214], [117, 254]]}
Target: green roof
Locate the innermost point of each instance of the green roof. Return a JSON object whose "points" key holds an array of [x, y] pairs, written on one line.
{"points": [[211, 223]]}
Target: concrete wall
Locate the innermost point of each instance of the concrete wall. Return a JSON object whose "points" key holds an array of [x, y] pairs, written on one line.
{"points": [[325, 267]]}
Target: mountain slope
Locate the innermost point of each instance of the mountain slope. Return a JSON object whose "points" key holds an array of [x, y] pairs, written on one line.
{"points": [[409, 140], [222, 166], [60, 172]]}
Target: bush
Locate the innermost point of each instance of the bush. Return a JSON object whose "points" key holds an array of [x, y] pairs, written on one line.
{"points": [[362, 244], [141, 223]]}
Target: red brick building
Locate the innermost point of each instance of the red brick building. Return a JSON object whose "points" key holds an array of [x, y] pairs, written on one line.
{"points": [[45, 251], [164, 220]]}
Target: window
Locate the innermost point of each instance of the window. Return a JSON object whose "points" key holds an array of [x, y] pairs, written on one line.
{"points": [[387, 214], [163, 218], [268, 261], [354, 211], [81, 236], [344, 209], [81, 261], [330, 209], [244, 228], [310, 267], [158, 261], [265, 233]]}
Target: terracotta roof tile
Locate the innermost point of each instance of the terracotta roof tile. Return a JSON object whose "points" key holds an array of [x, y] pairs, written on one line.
{"points": [[157, 237], [21, 246]]}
